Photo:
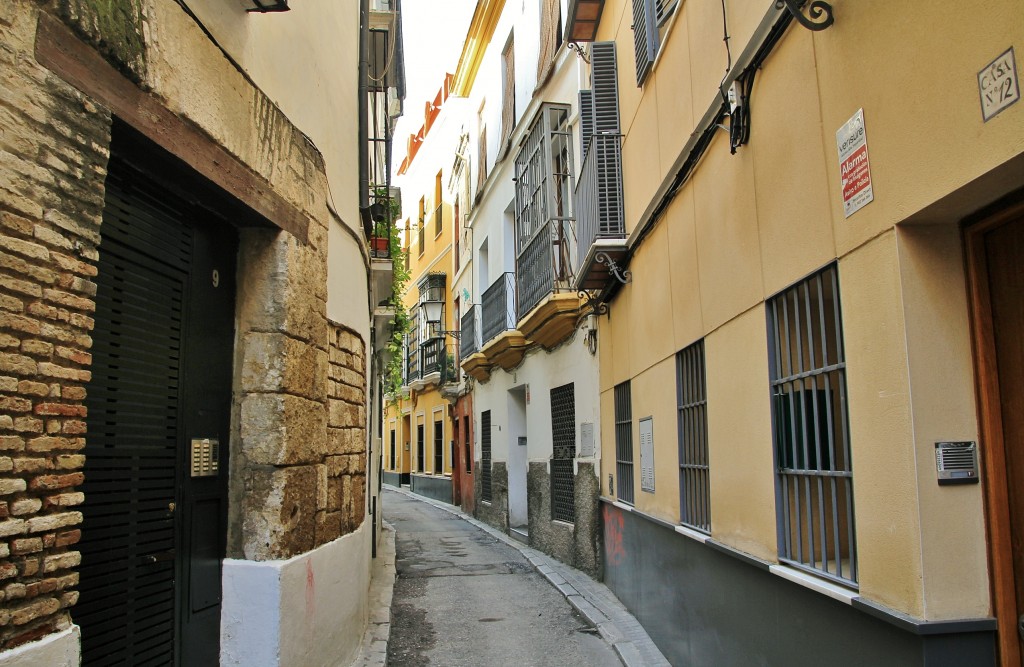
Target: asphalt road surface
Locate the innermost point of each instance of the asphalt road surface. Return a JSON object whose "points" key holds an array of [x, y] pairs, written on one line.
{"points": [[463, 598]]}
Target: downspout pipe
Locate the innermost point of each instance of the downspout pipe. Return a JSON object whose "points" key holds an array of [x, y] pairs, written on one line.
{"points": [[364, 130]]}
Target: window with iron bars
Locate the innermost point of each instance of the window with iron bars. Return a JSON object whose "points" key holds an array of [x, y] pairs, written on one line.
{"points": [[420, 454], [691, 393], [485, 455], [624, 441], [814, 479], [438, 447], [563, 438]]}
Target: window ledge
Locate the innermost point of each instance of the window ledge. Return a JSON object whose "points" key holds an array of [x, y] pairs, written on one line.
{"points": [[692, 534], [833, 591]]}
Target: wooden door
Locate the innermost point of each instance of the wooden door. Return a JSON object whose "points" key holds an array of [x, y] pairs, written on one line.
{"points": [[996, 269], [153, 533]]}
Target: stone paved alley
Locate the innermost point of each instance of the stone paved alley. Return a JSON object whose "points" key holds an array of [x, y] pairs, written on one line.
{"points": [[462, 597]]}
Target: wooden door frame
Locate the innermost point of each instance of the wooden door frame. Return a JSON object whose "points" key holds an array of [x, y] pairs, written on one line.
{"points": [[993, 449]]}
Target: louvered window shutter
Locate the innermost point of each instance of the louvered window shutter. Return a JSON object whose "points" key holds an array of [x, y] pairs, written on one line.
{"points": [[586, 120], [645, 37], [481, 160], [605, 91], [604, 88], [664, 8], [508, 101]]}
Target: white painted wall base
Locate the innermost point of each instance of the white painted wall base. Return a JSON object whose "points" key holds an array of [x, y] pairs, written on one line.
{"points": [[309, 611], [61, 649]]}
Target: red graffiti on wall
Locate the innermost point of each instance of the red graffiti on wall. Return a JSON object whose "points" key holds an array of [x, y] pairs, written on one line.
{"points": [[614, 524]]}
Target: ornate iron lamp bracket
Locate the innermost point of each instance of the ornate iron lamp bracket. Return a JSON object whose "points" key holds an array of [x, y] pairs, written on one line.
{"points": [[578, 50], [620, 275], [820, 13]]}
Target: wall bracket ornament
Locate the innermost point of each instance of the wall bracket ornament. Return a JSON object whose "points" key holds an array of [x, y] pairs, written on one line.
{"points": [[578, 50], [819, 17], [593, 301], [621, 275]]}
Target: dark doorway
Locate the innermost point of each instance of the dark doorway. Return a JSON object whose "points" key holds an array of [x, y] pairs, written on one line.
{"points": [[995, 248], [159, 403]]}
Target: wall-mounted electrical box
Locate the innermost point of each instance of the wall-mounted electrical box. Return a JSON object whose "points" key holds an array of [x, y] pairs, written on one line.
{"points": [[956, 462]]}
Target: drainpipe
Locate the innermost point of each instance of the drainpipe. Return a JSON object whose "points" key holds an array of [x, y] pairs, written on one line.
{"points": [[364, 131]]}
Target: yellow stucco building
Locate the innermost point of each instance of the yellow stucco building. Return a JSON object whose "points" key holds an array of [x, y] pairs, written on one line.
{"points": [[418, 435], [813, 290]]}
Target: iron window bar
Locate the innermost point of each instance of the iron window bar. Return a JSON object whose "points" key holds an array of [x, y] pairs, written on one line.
{"points": [[694, 469], [811, 430], [624, 441]]}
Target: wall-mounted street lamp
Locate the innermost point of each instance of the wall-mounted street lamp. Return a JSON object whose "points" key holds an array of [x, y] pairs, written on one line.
{"points": [[584, 17], [432, 306], [264, 6], [432, 313]]}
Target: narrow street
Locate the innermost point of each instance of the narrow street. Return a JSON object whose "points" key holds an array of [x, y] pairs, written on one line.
{"points": [[464, 598]]}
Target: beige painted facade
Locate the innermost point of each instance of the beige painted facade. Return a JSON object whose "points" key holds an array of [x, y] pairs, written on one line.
{"points": [[743, 227]]}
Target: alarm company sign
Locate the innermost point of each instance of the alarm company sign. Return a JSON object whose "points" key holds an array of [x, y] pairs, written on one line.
{"points": [[854, 172]]}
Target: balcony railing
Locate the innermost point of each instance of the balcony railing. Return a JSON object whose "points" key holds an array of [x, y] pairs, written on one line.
{"points": [[545, 266], [432, 355], [380, 241], [469, 341], [498, 310], [599, 193]]}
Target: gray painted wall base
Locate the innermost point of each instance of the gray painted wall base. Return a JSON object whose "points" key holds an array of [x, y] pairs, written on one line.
{"points": [[704, 607], [438, 488]]}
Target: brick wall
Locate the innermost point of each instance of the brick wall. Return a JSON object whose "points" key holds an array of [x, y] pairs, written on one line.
{"points": [[344, 501], [53, 159]]}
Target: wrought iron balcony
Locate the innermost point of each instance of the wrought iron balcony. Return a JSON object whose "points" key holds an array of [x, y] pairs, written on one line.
{"points": [[469, 341], [412, 364], [545, 266], [498, 309], [432, 356]]}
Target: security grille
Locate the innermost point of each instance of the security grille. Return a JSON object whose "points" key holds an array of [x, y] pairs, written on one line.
{"points": [[691, 393], [563, 438], [811, 430], [624, 441], [485, 455], [438, 447]]}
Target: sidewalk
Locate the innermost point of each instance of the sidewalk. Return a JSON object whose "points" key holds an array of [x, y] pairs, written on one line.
{"points": [[592, 599]]}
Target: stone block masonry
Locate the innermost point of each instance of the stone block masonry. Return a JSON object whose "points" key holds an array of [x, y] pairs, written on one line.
{"points": [[343, 507], [53, 160]]}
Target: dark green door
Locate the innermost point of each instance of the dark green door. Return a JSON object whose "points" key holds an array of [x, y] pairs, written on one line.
{"points": [[154, 519]]}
